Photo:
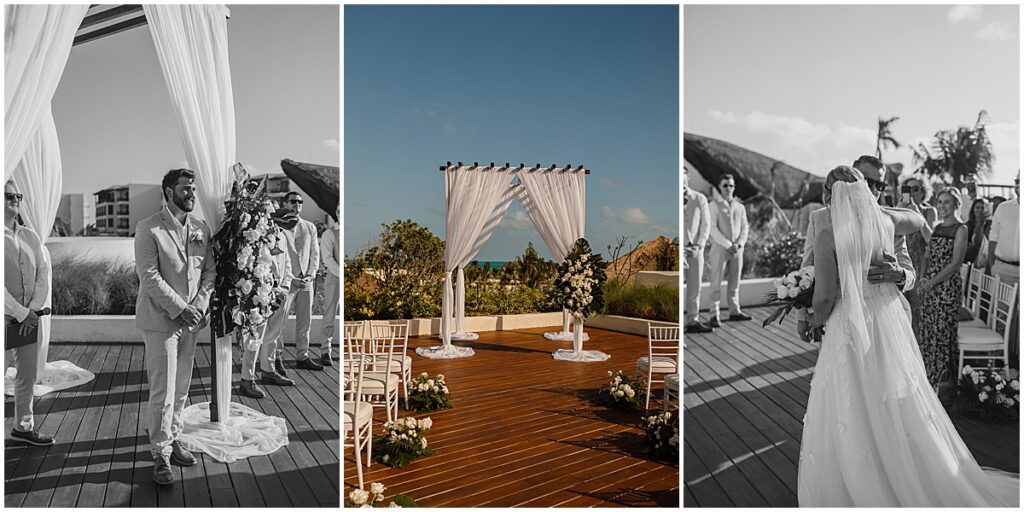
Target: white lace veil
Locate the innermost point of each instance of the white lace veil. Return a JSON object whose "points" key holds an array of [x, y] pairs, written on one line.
{"points": [[861, 233]]}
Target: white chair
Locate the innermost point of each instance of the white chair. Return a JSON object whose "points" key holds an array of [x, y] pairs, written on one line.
{"points": [[380, 384], [358, 415], [662, 354], [973, 297], [399, 331], [671, 391], [979, 343]]}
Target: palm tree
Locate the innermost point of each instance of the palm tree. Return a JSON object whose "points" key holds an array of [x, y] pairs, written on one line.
{"points": [[884, 138], [957, 156]]}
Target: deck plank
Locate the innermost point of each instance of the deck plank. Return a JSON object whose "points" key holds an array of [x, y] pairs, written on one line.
{"points": [[526, 430], [745, 394]]}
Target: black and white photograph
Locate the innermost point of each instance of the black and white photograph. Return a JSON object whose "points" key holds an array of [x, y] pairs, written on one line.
{"points": [[171, 255], [851, 186]]}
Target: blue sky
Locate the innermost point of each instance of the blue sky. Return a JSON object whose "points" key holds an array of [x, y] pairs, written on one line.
{"points": [[114, 115], [593, 85], [806, 84]]}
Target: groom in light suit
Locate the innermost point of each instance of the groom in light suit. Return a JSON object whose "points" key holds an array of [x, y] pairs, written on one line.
{"points": [[897, 268], [175, 264]]}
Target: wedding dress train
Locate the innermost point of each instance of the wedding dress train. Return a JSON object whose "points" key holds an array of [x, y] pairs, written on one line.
{"points": [[875, 434]]}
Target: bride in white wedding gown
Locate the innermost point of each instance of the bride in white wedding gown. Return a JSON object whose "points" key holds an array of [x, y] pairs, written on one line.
{"points": [[875, 434]]}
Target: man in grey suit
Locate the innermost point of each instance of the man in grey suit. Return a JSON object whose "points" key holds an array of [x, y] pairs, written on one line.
{"points": [[175, 264], [896, 268]]}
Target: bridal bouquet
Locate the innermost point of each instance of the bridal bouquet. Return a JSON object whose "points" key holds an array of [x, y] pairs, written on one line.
{"points": [[426, 394], [988, 393], [578, 284], [360, 498], [624, 392], [246, 292], [794, 290], [403, 441], [662, 431]]}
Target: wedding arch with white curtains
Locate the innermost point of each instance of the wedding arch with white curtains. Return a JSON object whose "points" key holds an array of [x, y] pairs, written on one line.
{"points": [[192, 47], [477, 197]]}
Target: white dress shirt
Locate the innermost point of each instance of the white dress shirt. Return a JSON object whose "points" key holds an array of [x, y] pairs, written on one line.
{"points": [[1006, 231]]}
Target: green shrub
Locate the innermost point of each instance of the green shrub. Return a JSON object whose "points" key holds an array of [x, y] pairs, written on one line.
{"points": [[659, 302], [780, 255]]}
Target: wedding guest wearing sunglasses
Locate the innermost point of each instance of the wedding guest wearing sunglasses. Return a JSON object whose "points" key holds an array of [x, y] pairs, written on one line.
{"points": [[26, 285], [729, 231]]}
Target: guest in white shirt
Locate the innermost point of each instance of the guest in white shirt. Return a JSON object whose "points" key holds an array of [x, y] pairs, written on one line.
{"points": [[697, 229], [330, 253], [729, 230], [26, 284], [1004, 239]]}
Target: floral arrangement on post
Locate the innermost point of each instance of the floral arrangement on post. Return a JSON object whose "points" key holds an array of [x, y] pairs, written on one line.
{"points": [[794, 290], [426, 394], [403, 441], [578, 284], [624, 392], [375, 498], [988, 394], [662, 432], [245, 290]]}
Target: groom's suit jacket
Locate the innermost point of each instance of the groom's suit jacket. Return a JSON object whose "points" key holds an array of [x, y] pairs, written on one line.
{"points": [[176, 268], [821, 219]]}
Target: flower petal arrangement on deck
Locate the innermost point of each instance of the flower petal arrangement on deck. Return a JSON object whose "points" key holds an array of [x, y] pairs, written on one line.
{"points": [[624, 392], [428, 394], [374, 498], [662, 431], [402, 442], [989, 394]]}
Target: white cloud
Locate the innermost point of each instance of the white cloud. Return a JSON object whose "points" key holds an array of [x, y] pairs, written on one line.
{"points": [[959, 13], [330, 144], [630, 215], [996, 31], [449, 128], [799, 133], [612, 184], [854, 136], [723, 117], [517, 220]]}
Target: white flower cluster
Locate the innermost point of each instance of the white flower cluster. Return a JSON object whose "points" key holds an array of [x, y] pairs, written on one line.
{"points": [[997, 387], [659, 420], [254, 289], [408, 429], [425, 384], [794, 283], [362, 499], [578, 282], [618, 388]]}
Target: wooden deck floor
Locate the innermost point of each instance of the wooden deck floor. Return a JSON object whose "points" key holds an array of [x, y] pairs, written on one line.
{"points": [[524, 430], [746, 388], [101, 456]]}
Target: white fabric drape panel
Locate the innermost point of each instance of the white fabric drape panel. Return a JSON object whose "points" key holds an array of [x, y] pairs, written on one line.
{"points": [[37, 42], [39, 176], [473, 197], [485, 234], [192, 47]]}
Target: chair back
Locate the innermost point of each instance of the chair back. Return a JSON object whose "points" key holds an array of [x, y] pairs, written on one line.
{"points": [[392, 329], [965, 274], [662, 341], [352, 367], [973, 285], [355, 336], [985, 301], [1005, 307]]}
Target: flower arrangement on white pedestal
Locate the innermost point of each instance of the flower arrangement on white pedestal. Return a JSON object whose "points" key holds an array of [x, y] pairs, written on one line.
{"points": [[374, 498], [987, 393], [662, 431], [246, 291], [624, 392], [578, 286], [403, 441], [428, 394]]}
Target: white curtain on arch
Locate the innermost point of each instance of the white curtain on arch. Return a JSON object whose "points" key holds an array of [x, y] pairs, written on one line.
{"points": [[474, 197], [39, 177], [556, 203], [37, 42]]}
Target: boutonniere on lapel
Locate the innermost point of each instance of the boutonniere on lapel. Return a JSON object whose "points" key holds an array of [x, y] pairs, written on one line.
{"points": [[196, 237]]}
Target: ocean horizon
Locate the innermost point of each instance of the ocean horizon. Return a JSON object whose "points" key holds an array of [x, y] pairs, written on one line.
{"points": [[495, 264]]}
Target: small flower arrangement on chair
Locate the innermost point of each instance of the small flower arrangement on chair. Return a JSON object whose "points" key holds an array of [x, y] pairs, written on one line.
{"points": [[624, 392], [360, 498], [662, 432], [403, 441], [428, 394]]}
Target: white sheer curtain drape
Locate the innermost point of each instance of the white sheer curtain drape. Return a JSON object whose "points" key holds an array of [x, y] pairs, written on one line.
{"points": [[192, 47], [473, 197], [37, 42], [556, 203]]}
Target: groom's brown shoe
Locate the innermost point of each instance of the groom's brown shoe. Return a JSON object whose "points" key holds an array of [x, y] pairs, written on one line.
{"points": [[181, 456], [273, 379], [162, 474], [250, 389]]}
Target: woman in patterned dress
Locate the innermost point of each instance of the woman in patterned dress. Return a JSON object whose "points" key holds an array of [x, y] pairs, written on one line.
{"points": [[941, 290], [917, 243]]}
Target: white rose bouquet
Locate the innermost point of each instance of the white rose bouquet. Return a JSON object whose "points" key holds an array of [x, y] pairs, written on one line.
{"points": [[662, 432], [578, 285], [428, 394], [794, 290], [624, 392], [403, 441], [988, 394], [245, 290], [374, 498]]}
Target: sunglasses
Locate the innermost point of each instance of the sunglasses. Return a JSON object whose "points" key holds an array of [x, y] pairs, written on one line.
{"points": [[726, 185], [15, 196], [295, 201], [879, 186]]}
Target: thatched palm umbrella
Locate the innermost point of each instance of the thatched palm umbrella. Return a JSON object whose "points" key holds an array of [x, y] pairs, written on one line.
{"points": [[320, 182]]}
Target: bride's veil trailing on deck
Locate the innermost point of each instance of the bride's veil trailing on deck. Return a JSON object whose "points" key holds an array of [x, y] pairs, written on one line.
{"points": [[861, 233]]}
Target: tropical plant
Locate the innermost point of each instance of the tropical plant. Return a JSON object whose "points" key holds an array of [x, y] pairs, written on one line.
{"points": [[956, 156], [779, 255], [529, 269], [659, 302], [884, 139]]}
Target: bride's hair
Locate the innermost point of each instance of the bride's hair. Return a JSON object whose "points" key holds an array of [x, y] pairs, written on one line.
{"points": [[843, 173]]}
